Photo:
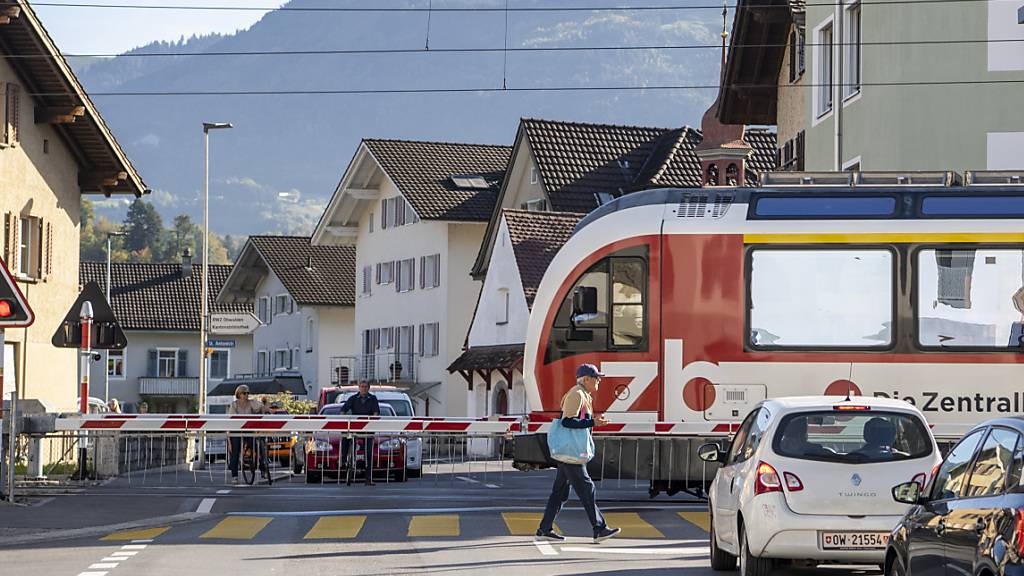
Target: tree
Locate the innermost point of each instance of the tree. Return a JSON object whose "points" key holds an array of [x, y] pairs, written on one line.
{"points": [[144, 230]]}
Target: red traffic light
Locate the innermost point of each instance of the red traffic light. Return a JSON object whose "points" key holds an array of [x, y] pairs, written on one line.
{"points": [[5, 309]]}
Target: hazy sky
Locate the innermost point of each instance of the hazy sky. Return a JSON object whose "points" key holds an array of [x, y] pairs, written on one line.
{"points": [[81, 30]]}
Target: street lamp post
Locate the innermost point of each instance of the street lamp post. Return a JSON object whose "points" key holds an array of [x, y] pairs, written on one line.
{"points": [[106, 353], [203, 312]]}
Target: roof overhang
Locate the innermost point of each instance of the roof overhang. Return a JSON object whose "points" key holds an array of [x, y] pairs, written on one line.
{"points": [[249, 270], [359, 187], [483, 256], [58, 99], [749, 92]]}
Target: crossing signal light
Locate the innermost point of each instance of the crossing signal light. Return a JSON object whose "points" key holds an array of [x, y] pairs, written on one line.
{"points": [[14, 310], [5, 309]]}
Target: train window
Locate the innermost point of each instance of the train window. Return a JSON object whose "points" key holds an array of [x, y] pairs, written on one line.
{"points": [[627, 301], [802, 298], [824, 207], [970, 298], [973, 205]]}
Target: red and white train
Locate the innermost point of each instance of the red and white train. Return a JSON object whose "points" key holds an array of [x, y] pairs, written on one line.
{"points": [[698, 303]]}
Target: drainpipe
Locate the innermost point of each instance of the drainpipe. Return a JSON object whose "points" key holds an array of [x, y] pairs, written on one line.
{"points": [[837, 86]]}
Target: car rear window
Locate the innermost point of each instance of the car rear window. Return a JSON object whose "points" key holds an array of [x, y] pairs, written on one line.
{"points": [[400, 407], [852, 437]]}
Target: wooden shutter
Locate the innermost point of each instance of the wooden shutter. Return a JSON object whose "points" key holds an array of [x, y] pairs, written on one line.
{"points": [[48, 251], [183, 363], [10, 227], [151, 369], [11, 114]]}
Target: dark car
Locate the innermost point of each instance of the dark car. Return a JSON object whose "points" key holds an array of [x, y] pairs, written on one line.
{"points": [[969, 520]]}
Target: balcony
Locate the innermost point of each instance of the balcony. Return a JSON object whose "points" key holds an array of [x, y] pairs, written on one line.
{"points": [[157, 386], [379, 368]]}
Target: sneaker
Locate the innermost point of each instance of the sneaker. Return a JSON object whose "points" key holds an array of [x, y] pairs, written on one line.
{"points": [[550, 535], [605, 533], [234, 479]]}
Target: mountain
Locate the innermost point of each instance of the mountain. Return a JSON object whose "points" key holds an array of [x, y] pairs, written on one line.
{"points": [[277, 168]]}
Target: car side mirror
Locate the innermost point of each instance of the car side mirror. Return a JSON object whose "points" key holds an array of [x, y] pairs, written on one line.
{"points": [[711, 453], [907, 493], [584, 303]]}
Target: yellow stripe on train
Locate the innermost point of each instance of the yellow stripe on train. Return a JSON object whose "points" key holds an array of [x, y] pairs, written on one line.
{"points": [[887, 238]]}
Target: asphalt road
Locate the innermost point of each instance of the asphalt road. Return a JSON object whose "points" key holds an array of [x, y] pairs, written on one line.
{"points": [[463, 520]]}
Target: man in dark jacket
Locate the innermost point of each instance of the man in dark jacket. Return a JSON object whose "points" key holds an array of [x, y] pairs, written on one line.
{"points": [[361, 404]]}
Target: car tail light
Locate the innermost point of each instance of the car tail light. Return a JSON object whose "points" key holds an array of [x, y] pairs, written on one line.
{"points": [[793, 483], [850, 408], [921, 480], [766, 480], [1019, 533]]}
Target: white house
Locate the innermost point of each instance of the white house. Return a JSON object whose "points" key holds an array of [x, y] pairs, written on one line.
{"points": [[157, 306], [305, 296], [417, 212], [492, 363]]}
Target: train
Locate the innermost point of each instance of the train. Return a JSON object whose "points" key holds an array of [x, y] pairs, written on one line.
{"points": [[699, 303]]}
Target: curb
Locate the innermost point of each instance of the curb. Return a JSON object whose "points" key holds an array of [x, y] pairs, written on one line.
{"points": [[102, 530]]}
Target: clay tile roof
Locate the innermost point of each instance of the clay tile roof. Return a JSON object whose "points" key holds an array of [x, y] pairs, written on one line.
{"points": [[577, 161], [423, 170], [157, 296], [330, 281], [503, 356], [536, 238]]}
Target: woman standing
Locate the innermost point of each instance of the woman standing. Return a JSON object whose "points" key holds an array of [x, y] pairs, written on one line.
{"points": [[243, 405], [577, 413]]}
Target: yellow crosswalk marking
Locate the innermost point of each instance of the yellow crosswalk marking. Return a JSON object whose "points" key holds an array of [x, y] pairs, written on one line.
{"points": [[336, 527], [523, 523], [434, 525], [701, 520], [238, 528], [633, 526], [147, 534]]}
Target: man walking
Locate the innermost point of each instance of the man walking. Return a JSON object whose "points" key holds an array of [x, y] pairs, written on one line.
{"points": [[577, 412], [361, 404]]}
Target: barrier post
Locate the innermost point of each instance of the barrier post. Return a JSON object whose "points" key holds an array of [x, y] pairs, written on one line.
{"points": [[86, 316]]}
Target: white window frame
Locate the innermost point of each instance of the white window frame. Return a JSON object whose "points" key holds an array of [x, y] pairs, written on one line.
{"points": [[227, 367], [159, 361], [386, 273], [430, 347], [284, 365], [855, 161], [534, 175], [265, 314], [853, 52], [400, 282], [432, 263], [119, 355], [310, 334], [503, 306], [818, 114], [282, 304], [265, 362], [30, 251]]}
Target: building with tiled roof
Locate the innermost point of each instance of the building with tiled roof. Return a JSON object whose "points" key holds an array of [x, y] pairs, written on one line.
{"points": [[575, 167], [304, 296], [417, 213], [158, 307], [492, 362], [55, 149]]}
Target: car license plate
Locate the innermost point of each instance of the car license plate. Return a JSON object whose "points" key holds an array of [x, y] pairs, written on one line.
{"points": [[854, 540]]}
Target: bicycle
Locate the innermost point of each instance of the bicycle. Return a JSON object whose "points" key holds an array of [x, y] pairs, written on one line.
{"points": [[248, 462]]}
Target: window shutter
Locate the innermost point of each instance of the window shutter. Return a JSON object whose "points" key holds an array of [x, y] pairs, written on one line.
{"points": [[48, 252], [10, 228], [792, 56], [423, 269], [437, 270], [421, 339], [151, 364], [183, 363], [799, 152], [11, 114], [412, 273]]}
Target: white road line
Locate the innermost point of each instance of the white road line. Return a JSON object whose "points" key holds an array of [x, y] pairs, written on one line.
{"points": [[150, 541], [546, 548], [206, 505], [92, 574], [657, 551], [122, 553], [492, 486], [104, 565], [133, 547], [470, 480], [223, 491], [114, 559]]}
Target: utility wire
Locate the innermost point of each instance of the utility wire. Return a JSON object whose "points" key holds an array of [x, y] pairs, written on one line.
{"points": [[666, 8], [1009, 81], [483, 50]]}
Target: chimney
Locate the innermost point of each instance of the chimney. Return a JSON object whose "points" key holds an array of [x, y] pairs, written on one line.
{"points": [[186, 263]]}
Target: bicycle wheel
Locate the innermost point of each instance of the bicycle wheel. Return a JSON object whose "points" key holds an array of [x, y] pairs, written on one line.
{"points": [[249, 465]]}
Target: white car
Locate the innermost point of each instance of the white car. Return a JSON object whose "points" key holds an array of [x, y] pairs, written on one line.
{"points": [[808, 479]]}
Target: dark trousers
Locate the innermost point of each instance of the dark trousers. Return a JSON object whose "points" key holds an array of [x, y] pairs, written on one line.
{"points": [[236, 453], [573, 476]]}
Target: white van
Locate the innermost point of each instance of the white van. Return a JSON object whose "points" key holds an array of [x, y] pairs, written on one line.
{"points": [[402, 405]]}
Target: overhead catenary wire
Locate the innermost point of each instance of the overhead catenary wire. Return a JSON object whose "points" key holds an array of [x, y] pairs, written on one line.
{"points": [[488, 89], [486, 50], [479, 9]]}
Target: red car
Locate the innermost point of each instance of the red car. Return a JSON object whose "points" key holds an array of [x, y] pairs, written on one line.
{"points": [[323, 452]]}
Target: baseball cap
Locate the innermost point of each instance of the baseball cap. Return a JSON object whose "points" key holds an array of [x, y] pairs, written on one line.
{"points": [[588, 370]]}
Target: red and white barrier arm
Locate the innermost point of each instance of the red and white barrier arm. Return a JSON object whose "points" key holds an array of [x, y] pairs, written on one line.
{"points": [[650, 428], [286, 423]]}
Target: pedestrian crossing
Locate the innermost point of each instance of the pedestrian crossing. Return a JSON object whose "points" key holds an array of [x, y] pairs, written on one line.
{"points": [[645, 524]]}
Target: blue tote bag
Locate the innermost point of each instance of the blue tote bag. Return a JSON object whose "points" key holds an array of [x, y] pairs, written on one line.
{"points": [[570, 445]]}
